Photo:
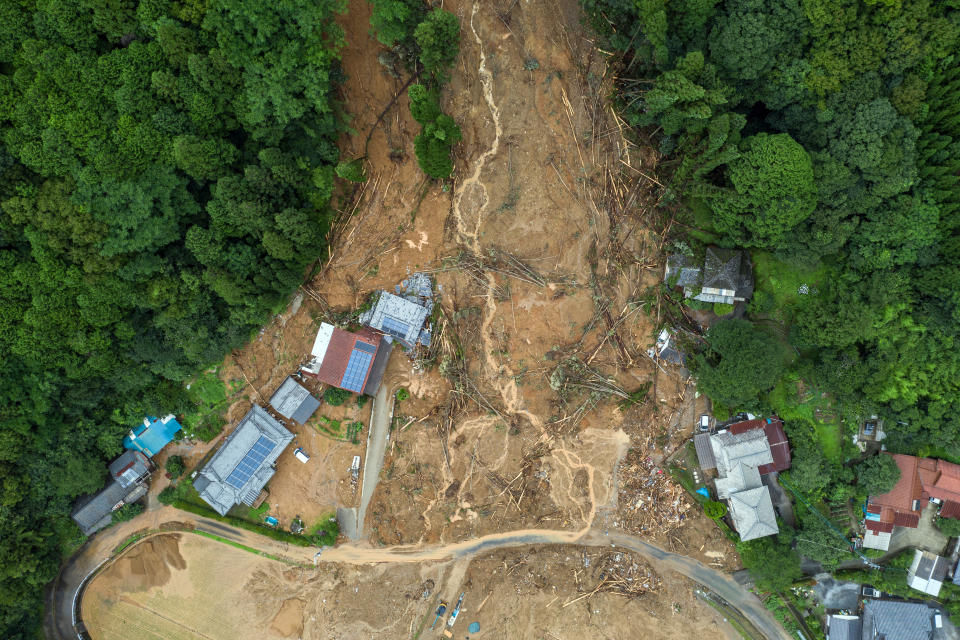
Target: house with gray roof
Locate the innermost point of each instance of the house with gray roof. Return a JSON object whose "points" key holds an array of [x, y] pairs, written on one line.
{"points": [[725, 276], [293, 401], [927, 572], [243, 465], [128, 475], [398, 317], [897, 620], [844, 627], [737, 457]]}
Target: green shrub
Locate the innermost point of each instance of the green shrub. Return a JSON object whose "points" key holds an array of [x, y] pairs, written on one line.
{"points": [[714, 509], [127, 512], [722, 309], [402, 394], [335, 397], [438, 37], [174, 492], [352, 170], [240, 523], [433, 145], [949, 527], [424, 104], [361, 400], [394, 21], [175, 466], [324, 532]]}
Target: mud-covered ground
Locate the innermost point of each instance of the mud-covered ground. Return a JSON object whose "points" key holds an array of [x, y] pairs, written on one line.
{"points": [[184, 587], [508, 428]]}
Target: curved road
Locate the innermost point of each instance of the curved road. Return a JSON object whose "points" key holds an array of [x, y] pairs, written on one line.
{"points": [[59, 615]]}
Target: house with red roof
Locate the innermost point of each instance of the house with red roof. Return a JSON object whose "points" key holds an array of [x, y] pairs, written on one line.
{"points": [[354, 361], [922, 480]]}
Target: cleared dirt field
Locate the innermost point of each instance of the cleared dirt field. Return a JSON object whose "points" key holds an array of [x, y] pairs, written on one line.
{"points": [[185, 587]]}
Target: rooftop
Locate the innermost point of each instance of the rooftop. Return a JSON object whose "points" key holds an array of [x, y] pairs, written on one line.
{"points": [[752, 513], [153, 435], [243, 465], [896, 620], [749, 448], [94, 512], [844, 627], [776, 438], [398, 317], [354, 361], [927, 572], [293, 401], [130, 468]]}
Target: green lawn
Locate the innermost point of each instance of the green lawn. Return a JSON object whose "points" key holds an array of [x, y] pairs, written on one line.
{"points": [[815, 409]]}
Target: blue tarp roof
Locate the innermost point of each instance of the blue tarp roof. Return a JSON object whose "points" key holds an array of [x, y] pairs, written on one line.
{"points": [[153, 435]]}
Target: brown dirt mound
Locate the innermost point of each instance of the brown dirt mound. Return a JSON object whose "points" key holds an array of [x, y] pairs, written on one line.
{"points": [[149, 564]]}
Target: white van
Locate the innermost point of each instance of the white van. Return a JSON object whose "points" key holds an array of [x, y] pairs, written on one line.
{"points": [[301, 455]]}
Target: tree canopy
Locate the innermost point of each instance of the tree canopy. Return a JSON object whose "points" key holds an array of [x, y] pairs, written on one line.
{"points": [[165, 176], [877, 474], [739, 362]]}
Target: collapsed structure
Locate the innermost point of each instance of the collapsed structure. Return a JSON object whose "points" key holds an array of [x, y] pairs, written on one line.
{"points": [[244, 463], [922, 481], [743, 453], [128, 474]]}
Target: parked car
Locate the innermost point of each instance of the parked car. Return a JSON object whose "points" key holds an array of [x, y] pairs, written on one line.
{"points": [[870, 592], [705, 422], [301, 455]]}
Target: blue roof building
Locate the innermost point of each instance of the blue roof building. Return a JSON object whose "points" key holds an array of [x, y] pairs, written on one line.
{"points": [[153, 435]]}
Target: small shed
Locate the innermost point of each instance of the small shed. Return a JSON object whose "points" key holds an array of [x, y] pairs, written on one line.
{"points": [[293, 401], [927, 572]]}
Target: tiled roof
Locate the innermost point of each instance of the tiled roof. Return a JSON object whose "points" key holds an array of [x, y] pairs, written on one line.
{"points": [[212, 480], [752, 513], [293, 401], [907, 489], [400, 317], [844, 628], [776, 438], [877, 526], [901, 519], [895, 620], [950, 509]]}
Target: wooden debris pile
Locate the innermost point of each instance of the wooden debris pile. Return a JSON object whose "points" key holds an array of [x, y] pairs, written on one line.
{"points": [[650, 500], [614, 572]]}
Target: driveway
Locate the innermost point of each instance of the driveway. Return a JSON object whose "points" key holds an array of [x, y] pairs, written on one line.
{"points": [[351, 519], [926, 536]]}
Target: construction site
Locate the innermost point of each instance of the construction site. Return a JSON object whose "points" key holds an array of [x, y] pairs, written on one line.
{"points": [[535, 407]]}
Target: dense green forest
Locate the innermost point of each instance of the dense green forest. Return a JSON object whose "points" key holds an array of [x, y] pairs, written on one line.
{"points": [[166, 168], [823, 136]]}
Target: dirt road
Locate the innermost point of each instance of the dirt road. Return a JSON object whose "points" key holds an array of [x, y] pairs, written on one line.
{"points": [[60, 613]]}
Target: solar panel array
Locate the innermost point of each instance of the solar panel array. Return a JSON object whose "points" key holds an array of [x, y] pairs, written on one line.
{"points": [[251, 462], [396, 328], [365, 346], [356, 371]]}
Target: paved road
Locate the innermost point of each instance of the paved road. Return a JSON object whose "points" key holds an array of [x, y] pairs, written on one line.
{"points": [[376, 449]]}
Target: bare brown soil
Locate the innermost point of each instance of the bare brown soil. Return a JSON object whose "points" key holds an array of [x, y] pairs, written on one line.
{"points": [[493, 439], [220, 593]]}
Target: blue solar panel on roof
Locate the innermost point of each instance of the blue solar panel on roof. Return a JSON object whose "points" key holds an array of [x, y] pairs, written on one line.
{"points": [[250, 462], [364, 346], [395, 327], [356, 371]]}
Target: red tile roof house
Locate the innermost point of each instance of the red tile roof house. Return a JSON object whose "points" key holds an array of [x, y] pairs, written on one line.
{"points": [[921, 479], [351, 361]]}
